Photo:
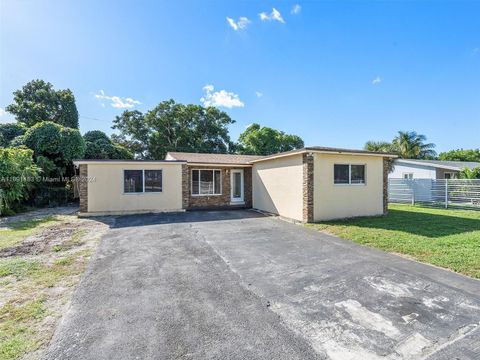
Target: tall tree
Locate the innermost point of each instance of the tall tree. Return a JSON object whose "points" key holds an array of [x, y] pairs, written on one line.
{"points": [[99, 146], [257, 140], [171, 126], [38, 101], [133, 132], [410, 145], [461, 155], [379, 146]]}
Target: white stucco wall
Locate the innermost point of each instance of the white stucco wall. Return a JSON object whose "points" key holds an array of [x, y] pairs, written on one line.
{"points": [[278, 186], [105, 191], [419, 171], [333, 201]]}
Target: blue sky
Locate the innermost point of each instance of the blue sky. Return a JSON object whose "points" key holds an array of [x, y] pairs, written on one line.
{"points": [[337, 73]]}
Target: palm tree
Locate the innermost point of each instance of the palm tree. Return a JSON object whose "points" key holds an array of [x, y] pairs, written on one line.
{"points": [[378, 146], [410, 145]]}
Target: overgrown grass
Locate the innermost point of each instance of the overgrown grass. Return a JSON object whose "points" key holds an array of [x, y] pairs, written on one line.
{"points": [[16, 232], [17, 267], [16, 337], [447, 238], [35, 286], [17, 318]]}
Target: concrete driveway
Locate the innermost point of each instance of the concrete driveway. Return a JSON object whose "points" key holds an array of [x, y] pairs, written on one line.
{"points": [[237, 285]]}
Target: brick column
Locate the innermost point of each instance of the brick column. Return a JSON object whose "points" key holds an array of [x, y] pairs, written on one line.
{"points": [[308, 161], [83, 188], [185, 189], [387, 164]]}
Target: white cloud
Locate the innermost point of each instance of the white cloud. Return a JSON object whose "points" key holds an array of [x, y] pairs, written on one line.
{"points": [[376, 81], [4, 118], [273, 16], [220, 98], [296, 9], [258, 94], [241, 24], [117, 101]]}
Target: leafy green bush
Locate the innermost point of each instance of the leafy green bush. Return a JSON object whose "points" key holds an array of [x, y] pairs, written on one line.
{"points": [[467, 173], [18, 141], [10, 131], [17, 171], [57, 143], [45, 195]]}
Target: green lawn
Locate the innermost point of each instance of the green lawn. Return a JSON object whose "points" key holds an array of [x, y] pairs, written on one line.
{"points": [[16, 232], [447, 238]]}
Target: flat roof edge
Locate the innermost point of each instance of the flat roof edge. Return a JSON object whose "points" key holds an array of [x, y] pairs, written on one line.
{"points": [[189, 163], [99, 161]]}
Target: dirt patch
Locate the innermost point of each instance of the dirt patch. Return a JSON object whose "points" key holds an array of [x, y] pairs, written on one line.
{"points": [[63, 236]]}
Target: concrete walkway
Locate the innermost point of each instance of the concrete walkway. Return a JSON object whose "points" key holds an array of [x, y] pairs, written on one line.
{"points": [[237, 285]]}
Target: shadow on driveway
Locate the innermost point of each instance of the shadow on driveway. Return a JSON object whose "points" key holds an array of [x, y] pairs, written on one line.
{"points": [[184, 217]]}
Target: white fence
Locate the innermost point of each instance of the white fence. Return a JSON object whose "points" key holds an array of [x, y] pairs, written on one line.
{"points": [[463, 193]]}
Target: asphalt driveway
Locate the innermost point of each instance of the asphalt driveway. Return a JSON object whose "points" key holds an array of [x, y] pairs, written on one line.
{"points": [[237, 285]]}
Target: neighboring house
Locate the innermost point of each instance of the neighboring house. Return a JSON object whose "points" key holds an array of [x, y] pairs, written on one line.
{"points": [[309, 184], [429, 169]]}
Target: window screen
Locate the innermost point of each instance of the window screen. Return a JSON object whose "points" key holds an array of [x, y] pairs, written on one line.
{"points": [[153, 180], [341, 174], [357, 174], [206, 182], [348, 174], [133, 181]]}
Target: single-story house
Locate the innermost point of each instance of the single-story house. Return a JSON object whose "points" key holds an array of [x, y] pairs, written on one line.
{"points": [[429, 169], [307, 185]]}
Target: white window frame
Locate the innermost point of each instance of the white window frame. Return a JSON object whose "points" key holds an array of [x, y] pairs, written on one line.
{"points": [[143, 192], [409, 176], [350, 175], [212, 170], [453, 175]]}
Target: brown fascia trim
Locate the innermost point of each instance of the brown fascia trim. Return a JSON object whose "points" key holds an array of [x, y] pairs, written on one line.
{"points": [[324, 151], [99, 161], [218, 164]]}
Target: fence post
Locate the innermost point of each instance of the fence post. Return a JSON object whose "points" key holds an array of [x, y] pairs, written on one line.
{"points": [[446, 193], [413, 193]]}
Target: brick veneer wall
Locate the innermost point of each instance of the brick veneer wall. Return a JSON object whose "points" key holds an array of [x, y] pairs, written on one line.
{"points": [[216, 201], [83, 187], [308, 161], [247, 179]]}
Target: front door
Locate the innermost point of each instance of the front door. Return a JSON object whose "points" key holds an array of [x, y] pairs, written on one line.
{"points": [[237, 186]]}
